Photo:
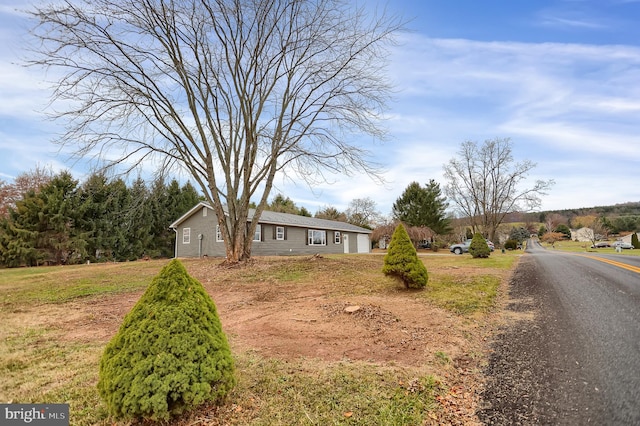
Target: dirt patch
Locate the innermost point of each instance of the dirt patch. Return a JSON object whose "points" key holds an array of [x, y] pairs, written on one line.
{"points": [[289, 324], [288, 321]]}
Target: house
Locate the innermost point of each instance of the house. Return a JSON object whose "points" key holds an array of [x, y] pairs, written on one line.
{"points": [[627, 238], [583, 234], [198, 234]]}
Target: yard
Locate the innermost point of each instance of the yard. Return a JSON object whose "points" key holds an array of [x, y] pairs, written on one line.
{"points": [[582, 246], [401, 357]]}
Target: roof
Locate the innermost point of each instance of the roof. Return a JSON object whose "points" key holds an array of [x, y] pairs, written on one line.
{"points": [[275, 218]]}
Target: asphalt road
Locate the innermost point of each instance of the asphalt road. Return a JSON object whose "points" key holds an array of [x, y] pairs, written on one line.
{"points": [[573, 357]]}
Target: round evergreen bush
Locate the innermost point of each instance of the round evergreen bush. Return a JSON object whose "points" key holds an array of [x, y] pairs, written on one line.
{"points": [[401, 260], [511, 244], [479, 246], [170, 353]]}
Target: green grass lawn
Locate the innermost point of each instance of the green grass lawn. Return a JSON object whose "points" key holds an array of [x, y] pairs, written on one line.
{"points": [[585, 247], [37, 365]]}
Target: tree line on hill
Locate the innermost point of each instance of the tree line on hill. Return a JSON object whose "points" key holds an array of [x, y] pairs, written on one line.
{"points": [[618, 218], [52, 219]]}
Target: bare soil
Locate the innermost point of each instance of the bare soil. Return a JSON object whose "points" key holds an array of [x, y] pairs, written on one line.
{"points": [[293, 321]]}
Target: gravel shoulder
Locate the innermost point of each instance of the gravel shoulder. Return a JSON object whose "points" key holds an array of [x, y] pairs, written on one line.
{"points": [[538, 372]]}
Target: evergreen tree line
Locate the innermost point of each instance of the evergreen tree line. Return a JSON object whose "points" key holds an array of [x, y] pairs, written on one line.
{"points": [[620, 224], [64, 222]]}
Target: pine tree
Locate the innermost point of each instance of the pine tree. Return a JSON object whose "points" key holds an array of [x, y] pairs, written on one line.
{"points": [[41, 228], [139, 221], [170, 353], [418, 206], [479, 246], [402, 261], [634, 241]]}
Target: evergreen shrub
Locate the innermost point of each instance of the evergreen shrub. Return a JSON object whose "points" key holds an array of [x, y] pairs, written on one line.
{"points": [[479, 246], [401, 260], [170, 353], [634, 241], [511, 244]]}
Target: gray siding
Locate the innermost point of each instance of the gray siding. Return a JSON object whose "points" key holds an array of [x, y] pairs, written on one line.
{"points": [[295, 241], [204, 225]]}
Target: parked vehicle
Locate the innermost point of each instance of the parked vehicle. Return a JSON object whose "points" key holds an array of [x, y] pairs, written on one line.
{"points": [[622, 245], [601, 244], [460, 247], [464, 247], [425, 245]]}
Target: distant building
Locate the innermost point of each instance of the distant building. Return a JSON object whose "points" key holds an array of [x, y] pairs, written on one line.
{"points": [[583, 234]]}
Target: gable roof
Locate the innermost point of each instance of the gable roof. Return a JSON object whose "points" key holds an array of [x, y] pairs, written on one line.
{"points": [[275, 218]]}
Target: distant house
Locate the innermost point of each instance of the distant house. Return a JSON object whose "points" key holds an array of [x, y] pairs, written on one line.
{"points": [[198, 234], [582, 234], [627, 238]]}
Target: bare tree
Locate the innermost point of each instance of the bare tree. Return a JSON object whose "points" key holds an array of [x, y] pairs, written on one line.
{"points": [[553, 220], [32, 180], [233, 91], [416, 234], [597, 228], [483, 182], [363, 212], [331, 213]]}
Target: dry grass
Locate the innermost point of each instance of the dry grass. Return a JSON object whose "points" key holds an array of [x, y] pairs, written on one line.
{"points": [[57, 320]]}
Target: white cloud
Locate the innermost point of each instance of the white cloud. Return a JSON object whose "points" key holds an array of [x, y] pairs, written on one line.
{"points": [[572, 108], [556, 21], [555, 101]]}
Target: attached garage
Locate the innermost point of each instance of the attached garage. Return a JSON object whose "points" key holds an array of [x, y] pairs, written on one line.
{"points": [[364, 243]]}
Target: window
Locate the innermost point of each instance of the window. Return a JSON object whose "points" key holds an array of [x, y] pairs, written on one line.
{"points": [[219, 237], [280, 233], [337, 237], [317, 238], [257, 236], [186, 235], [204, 212]]}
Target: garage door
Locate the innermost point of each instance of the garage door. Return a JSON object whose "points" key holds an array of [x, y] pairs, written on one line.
{"points": [[363, 243]]}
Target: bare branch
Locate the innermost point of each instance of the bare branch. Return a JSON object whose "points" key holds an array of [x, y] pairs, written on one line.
{"points": [[484, 183], [233, 91]]}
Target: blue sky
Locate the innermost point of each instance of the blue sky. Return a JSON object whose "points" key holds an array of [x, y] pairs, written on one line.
{"points": [[560, 78]]}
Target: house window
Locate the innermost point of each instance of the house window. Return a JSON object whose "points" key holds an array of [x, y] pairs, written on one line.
{"points": [[204, 212], [219, 236], [280, 233], [257, 236], [337, 237], [186, 235], [317, 238]]}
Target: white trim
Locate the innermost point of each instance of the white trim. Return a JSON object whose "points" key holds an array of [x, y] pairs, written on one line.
{"points": [[317, 237], [257, 236]]}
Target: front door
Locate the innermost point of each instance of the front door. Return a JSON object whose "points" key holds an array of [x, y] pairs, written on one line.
{"points": [[345, 242]]}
